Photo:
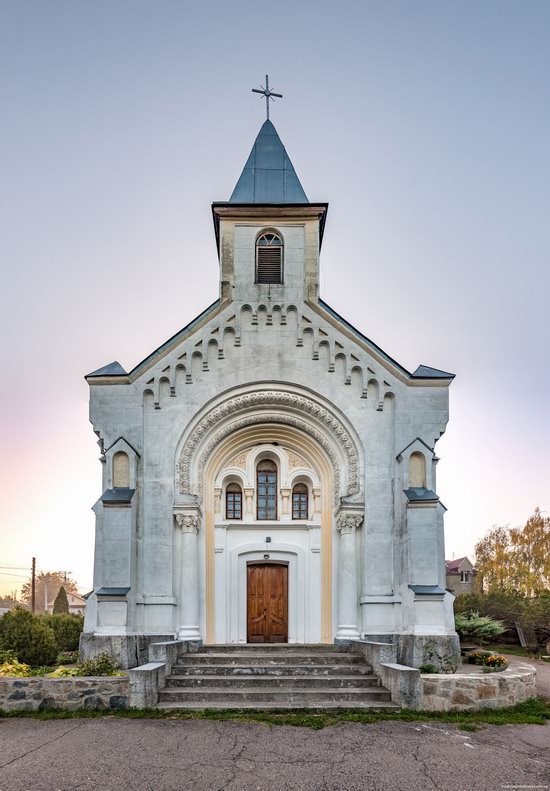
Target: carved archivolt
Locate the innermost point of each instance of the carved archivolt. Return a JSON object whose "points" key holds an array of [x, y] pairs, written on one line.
{"points": [[269, 398]]}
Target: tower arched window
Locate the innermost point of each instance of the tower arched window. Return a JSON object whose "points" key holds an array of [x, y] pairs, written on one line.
{"points": [[266, 492], [300, 498], [269, 258], [233, 501]]}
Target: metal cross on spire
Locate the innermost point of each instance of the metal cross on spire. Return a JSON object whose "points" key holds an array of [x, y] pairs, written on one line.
{"points": [[267, 93]]}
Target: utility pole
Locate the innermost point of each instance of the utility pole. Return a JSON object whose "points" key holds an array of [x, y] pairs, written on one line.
{"points": [[33, 584]]}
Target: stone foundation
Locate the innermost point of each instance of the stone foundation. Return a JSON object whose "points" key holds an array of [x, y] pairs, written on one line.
{"points": [[129, 650], [414, 650], [460, 692], [69, 694]]}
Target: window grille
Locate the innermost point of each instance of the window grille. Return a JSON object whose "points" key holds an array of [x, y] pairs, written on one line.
{"points": [[300, 501], [266, 494], [233, 502], [269, 259]]}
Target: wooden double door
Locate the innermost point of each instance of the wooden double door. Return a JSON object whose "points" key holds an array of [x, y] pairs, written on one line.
{"points": [[267, 603]]}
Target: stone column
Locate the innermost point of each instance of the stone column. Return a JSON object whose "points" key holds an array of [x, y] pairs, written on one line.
{"points": [[317, 500], [189, 524], [348, 604], [249, 505], [285, 496]]}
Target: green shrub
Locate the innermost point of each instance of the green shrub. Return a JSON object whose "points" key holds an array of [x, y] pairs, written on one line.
{"points": [[43, 670], [31, 640], [473, 626], [67, 658], [67, 630], [428, 668], [509, 607], [64, 672], [7, 656], [101, 665]]}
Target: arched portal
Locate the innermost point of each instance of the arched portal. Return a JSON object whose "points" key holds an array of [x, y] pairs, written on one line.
{"points": [[263, 443]]}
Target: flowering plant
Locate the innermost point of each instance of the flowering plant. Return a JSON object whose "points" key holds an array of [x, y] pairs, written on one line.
{"points": [[488, 660]]}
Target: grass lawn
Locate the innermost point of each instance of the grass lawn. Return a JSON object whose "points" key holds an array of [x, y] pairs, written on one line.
{"points": [[531, 712]]}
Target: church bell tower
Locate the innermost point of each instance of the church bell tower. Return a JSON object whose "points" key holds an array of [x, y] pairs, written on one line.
{"points": [[268, 234]]}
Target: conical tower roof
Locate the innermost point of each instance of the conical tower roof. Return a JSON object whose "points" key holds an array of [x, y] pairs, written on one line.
{"points": [[268, 176]]}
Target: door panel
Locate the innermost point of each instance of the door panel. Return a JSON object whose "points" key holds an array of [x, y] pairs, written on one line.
{"points": [[267, 603]]}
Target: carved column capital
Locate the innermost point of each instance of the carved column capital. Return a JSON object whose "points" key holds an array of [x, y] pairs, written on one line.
{"points": [[348, 523], [188, 522]]}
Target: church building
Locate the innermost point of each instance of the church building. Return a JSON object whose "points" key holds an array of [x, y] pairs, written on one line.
{"points": [[268, 473]]}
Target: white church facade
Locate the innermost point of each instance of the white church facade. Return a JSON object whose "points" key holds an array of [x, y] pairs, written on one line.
{"points": [[269, 473]]}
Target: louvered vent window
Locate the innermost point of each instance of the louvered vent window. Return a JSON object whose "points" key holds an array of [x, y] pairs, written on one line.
{"points": [[269, 259]]}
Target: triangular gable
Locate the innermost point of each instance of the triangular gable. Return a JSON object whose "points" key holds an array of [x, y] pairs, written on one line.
{"points": [[418, 444], [122, 442]]}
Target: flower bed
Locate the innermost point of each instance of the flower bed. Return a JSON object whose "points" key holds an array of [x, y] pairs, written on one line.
{"points": [[489, 661]]}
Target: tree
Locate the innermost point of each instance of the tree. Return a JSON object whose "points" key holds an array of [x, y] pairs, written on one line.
{"points": [[531, 555], [48, 583], [8, 601], [492, 559], [30, 640], [516, 559], [61, 603]]}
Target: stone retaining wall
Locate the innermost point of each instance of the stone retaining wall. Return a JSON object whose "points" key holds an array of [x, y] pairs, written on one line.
{"points": [[80, 692], [463, 691]]}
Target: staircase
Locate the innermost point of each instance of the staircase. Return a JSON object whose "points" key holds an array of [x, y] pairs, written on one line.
{"points": [[279, 676]]}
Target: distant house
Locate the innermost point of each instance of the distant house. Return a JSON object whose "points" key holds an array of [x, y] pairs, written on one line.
{"points": [[77, 604], [460, 575]]}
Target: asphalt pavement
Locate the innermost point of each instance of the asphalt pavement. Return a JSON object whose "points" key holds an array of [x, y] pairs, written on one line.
{"points": [[109, 754]]}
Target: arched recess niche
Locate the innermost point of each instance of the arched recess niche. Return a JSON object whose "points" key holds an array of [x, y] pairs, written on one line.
{"points": [[293, 439]]}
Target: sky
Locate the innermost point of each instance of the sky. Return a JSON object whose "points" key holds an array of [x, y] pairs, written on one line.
{"points": [[424, 124]]}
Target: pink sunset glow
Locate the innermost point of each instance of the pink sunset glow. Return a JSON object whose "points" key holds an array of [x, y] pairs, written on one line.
{"points": [[425, 126]]}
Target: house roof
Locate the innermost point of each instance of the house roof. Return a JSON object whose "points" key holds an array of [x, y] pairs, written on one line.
{"points": [[454, 565], [268, 175]]}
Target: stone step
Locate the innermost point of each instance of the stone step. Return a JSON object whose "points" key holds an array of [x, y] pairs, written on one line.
{"points": [[259, 696], [267, 669], [271, 682], [282, 706], [274, 647], [242, 658]]}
